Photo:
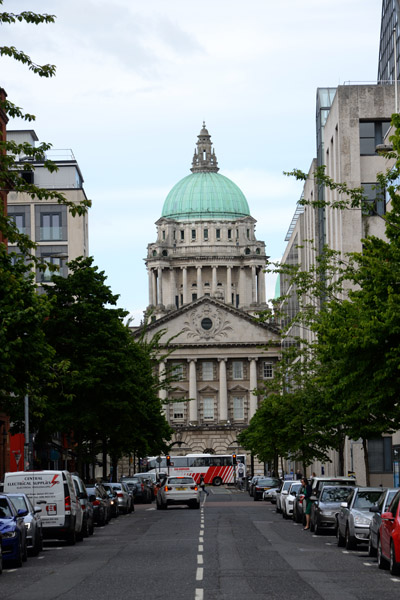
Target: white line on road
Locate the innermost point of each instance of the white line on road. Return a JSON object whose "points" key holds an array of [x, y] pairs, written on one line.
{"points": [[201, 539], [199, 594], [201, 548], [199, 574], [395, 580], [200, 559], [368, 564]]}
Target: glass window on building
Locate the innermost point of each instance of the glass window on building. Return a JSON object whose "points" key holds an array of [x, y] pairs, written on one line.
{"points": [[380, 455], [193, 234], [47, 274], [229, 234], [372, 133], [182, 234], [207, 371], [237, 369], [238, 408], [375, 199], [177, 410], [19, 220], [177, 372], [208, 409], [268, 371], [206, 234], [50, 226], [218, 234]]}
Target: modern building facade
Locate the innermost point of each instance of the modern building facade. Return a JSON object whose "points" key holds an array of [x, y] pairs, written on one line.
{"points": [[206, 283], [389, 26], [60, 236], [355, 121]]}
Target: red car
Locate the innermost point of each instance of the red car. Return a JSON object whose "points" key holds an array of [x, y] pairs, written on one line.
{"points": [[389, 538]]}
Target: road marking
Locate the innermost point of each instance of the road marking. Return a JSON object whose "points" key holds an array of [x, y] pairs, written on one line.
{"points": [[396, 580], [147, 509], [199, 574], [39, 557], [368, 564], [201, 539], [200, 559], [201, 548], [9, 570], [199, 594], [345, 552], [201, 525]]}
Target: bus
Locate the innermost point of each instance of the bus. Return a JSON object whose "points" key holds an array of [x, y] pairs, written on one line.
{"points": [[215, 468]]}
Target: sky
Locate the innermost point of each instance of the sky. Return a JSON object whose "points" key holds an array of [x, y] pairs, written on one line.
{"points": [[135, 80]]}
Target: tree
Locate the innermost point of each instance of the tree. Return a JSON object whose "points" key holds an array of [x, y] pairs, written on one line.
{"points": [[109, 393]]}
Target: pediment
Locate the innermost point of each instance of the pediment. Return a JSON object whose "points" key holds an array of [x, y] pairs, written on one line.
{"points": [[209, 389], [208, 321], [238, 388]]}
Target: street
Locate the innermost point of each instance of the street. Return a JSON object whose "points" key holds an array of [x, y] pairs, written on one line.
{"points": [[232, 548]]}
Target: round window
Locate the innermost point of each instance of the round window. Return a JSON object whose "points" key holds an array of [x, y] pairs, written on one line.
{"points": [[206, 323]]}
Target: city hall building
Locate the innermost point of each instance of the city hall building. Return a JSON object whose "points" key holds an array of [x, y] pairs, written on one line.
{"points": [[206, 284]]}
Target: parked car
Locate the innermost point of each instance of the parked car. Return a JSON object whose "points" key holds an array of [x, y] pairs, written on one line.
{"points": [[317, 483], [140, 487], [100, 502], [124, 498], [352, 523], [151, 481], [262, 484], [375, 524], [252, 484], [86, 507], [325, 509], [389, 537], [33, 522], [113, 499], [282, 493], [270, 494], [13, 532], [178, 490], [54, 492], [288, 500]]}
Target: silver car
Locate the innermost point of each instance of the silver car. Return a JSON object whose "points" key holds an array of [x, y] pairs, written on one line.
{"points": [[178, 490], [353, 520], [326, 508], [33, 522]]}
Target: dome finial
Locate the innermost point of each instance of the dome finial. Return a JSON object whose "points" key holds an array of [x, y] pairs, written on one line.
{"points": [[204, 158]]}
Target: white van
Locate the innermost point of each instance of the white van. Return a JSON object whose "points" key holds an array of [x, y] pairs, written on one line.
{"points": [[54, 493]]}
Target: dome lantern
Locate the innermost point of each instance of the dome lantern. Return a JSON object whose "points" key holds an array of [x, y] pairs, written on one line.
{"points": [[204, 159]]}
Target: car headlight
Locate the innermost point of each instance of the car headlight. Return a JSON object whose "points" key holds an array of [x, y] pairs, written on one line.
{"points": [[28, 525], [360, 520], [290, 502], [10, 534], [326, 513]]}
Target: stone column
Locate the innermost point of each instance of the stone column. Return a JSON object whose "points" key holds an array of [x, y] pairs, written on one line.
{"points": [[192, 391], [199, 283], [160, 287], [184, 285], [253, 386], [172, 287], [214, 281], [242, 287], [262, 285], [223, 391], [253, 285], [162, 394], [228, 291], [154, 287], [150, 275]]}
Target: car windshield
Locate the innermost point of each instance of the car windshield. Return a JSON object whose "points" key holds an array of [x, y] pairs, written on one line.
{"points": [[5, 510], [268, 481], [366, 498], [19, 502], [286, 485], [294, 487], [389, 498], [180, 481], [336, 494]]}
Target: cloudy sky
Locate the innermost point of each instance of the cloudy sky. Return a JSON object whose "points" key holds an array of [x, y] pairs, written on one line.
{"points": [[135, 80]]}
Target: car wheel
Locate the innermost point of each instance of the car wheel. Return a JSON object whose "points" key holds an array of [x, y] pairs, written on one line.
{"points": [[36, 546], [312, 525], [371, 549], [256, 498], [217, 481], [317, 528], [394, 565], [382, 562], [341, 541], [158, 506], [351, 543], [18, 561]]}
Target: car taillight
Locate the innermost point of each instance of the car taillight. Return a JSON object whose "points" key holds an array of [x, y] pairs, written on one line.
{"points": [[194, 487], [96, 502], [142, 486], [167, 488], [67, 502], [120, 495], [257, 488]]}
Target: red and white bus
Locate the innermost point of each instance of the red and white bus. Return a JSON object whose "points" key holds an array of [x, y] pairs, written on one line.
{"points": [[215, 468]]}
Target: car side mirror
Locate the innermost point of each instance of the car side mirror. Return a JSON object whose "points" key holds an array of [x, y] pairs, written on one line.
{"points": [[294, 493], [374, 509], [37, 509], [343, 504], [22, 513], [387, 516]]}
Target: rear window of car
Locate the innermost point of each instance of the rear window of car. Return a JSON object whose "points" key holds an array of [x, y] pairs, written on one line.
{"points": [[336, 494], [19, 502], [267, 481], [180, 481], [366, 498]]}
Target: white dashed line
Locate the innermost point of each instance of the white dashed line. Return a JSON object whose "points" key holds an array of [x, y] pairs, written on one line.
{"points": [[199, 559], [368, 564], [199, 574], [201, 540], [199, 594], [201, 548], [395, 580]]}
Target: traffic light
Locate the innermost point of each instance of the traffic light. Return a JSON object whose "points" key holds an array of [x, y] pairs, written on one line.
{"points": [[234, 459], [168, 460]]}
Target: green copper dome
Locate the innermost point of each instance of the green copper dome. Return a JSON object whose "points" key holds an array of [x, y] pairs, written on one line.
{"points": [[205, 195]]}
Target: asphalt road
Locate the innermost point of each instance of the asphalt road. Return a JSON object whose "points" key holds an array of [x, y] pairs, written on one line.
{"points": [[231, 549]]}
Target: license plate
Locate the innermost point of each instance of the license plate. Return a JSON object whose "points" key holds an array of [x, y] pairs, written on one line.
{"points": [[51, 509], [181, 489]]}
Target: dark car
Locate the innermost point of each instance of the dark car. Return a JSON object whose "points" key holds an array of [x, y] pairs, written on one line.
{"points": [[124, 497], [32, 520], [252, 484], [13, 532], [326, 508], [100, 502], [140, 488], [263, 484], [112, 494], [374, 526]]}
